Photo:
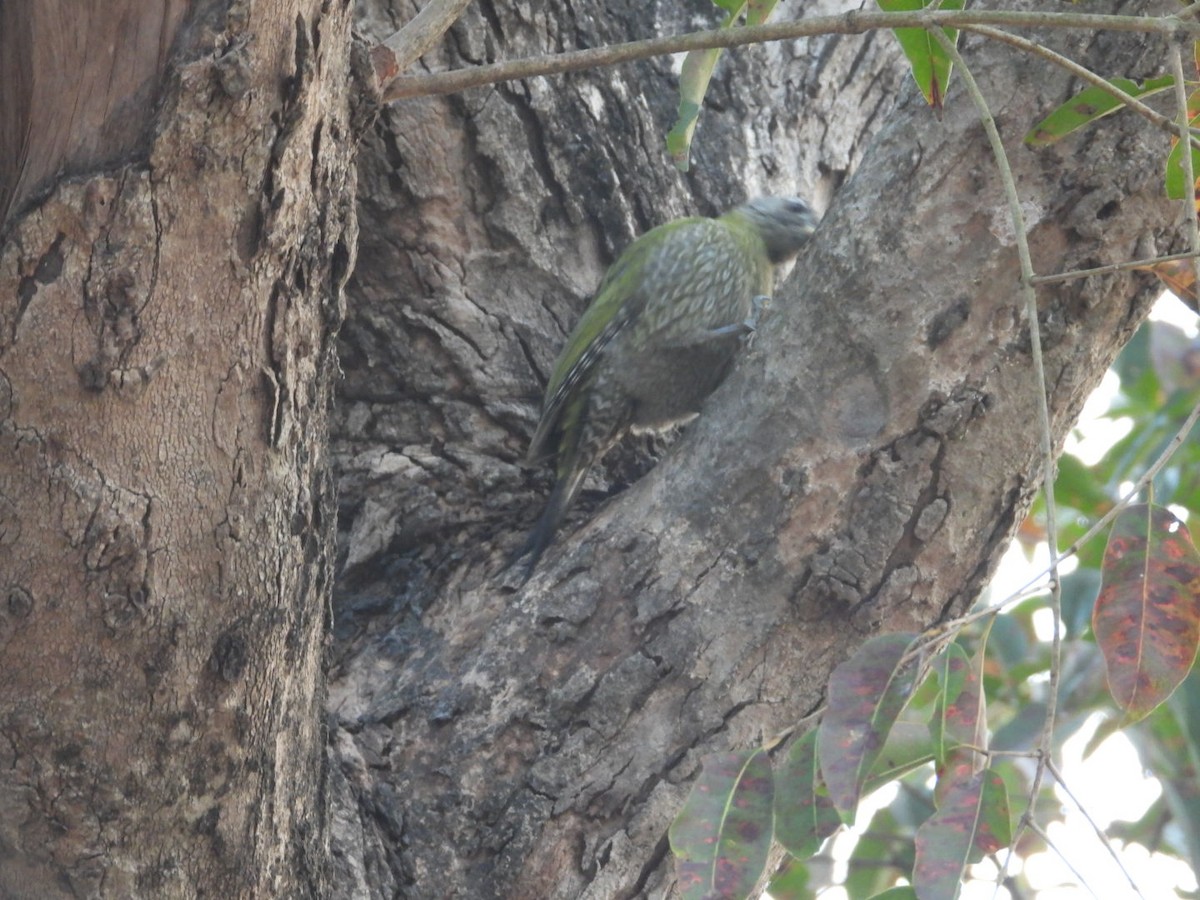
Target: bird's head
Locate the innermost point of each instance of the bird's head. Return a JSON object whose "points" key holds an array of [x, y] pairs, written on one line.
{"points": [[785, 223]]}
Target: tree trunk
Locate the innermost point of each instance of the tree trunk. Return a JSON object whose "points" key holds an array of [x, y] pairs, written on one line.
{"points": [[167, 315], [862, 470]]}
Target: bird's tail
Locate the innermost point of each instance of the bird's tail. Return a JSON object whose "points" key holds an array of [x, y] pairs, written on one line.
{"points": [[565, 490]]}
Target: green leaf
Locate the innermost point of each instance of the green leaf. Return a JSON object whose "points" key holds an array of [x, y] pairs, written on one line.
{"points": [[758, 11], [1147, 617], [804, 815], [1077, 486], [694, 77], [1089, 105], [866, 694], [1181, 786], [1079, 591], [927, 59], [972, 820], [723, 833], [693, 85], [877, 859], [908, 747], [1133, 364], [1175, 178], [791, 881], [696, 74]]}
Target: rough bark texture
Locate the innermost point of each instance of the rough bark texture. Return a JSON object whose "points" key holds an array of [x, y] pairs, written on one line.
{"points": [[862, 470], [166, 513]]}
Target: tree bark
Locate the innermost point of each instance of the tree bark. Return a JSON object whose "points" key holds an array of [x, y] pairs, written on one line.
{"points": [[862, 470], [167, 316]]}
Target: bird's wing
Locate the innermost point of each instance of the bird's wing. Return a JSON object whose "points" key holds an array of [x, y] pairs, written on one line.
{"points": [[719, 271], [618, 301], [552, 411]]}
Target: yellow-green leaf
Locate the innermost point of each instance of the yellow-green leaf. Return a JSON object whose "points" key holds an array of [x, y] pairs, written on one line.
{"points": [[926, 57], [1089, 105]]}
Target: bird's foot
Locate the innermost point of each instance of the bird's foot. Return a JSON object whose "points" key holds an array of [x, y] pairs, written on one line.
{"points": [[748, 325], [757, 305]]}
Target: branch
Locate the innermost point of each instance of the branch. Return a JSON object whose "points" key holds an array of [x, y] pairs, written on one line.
{"points": [[1033, 826], [1114, 267], [857, 22], [415, 39]]}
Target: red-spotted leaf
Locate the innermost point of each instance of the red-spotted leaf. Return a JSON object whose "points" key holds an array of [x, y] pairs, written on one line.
{"points": [[958, 716], [721, 836], [1089, 105], [960, 765], [866, 694], [1179, 277], [1147, 617], [804, 816], [960, 722], [926, 57], [972, 820]]}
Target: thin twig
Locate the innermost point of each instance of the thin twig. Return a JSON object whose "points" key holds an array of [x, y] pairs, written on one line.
{"points": [[1140, 485], [936, 633], [854, 22], [1103, 838], [1114, 267], [1036, 829], [1043, 409]]}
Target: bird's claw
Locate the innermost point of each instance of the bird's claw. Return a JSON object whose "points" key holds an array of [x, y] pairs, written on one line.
{"points": [[757, 305], [748, 325]]}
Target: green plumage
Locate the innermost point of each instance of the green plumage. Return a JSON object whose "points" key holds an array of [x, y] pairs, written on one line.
{"points": [[660, 335]]}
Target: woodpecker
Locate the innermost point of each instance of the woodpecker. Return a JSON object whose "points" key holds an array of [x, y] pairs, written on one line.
{"points": [[660, 334]]}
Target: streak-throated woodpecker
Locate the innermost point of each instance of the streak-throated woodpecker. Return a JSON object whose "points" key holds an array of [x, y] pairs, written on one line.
{"points": [[658, 337]]}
